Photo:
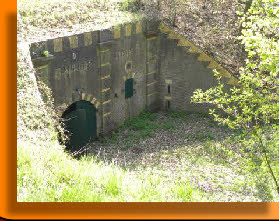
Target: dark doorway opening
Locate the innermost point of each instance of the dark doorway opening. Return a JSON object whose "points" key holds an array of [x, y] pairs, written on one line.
{"points": [[80, 125]]}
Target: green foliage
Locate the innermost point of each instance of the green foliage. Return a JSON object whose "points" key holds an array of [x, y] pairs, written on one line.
{"points": [[34, 110], [214, 172], [45, 53], [46, 173], [253, 105]]}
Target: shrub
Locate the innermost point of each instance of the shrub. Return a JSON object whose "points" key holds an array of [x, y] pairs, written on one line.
{"points": [[253, 105]]}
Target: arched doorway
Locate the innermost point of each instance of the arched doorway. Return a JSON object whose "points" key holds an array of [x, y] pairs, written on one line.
{"points": [[80, 124]]}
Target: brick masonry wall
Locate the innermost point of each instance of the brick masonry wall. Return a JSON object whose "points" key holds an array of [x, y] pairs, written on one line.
{"points": [[181, 74], [166, 68]]}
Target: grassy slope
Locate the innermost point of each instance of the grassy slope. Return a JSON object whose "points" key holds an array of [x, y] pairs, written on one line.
{"points": [[42, 19], [212, 25], [188, 152], [47, 173]]}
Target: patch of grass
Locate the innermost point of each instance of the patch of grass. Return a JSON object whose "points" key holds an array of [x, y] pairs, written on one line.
{"points": [[186, 192], [183, 114], [209, 156], [169, 125], [47, 174], [137, 128], [202, 136], [131, 5], [210, 171], [178, 114], [196, 115], [140, 122]]}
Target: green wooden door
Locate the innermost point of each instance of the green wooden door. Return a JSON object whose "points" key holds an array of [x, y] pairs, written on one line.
{"points": [[80, 124], [129, 88]]}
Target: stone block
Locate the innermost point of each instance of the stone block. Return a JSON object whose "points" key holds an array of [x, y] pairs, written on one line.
{"points": [[73, 40], [152, 77], [106, 35], [57, 45], [106, 94], [87, 39], [106, 83], [152, 66], [152, 87], [139, 28], [105, 70], [105, 56], [107, 106], [128, 30], [116, 32]]}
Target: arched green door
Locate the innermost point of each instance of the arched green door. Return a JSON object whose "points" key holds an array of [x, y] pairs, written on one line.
{"points": [[80, 124]]}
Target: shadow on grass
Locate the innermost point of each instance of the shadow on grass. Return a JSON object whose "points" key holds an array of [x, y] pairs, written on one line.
{"points": [[152, 134], [165, 141]]}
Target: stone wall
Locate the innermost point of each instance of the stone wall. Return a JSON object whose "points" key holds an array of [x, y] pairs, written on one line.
{"points": [[93, 66]]}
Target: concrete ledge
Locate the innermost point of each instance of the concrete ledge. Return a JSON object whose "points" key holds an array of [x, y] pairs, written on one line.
{"points": [[40, 61]]}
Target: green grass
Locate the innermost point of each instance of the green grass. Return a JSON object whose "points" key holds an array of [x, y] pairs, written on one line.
{"points": [[201, 171], [203, 165], [186, 192], [206, 166], [47, 174], [178, 114], [137, 129]]}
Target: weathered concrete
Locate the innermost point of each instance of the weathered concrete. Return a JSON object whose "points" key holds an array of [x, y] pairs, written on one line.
{"points": [[94, 66]]}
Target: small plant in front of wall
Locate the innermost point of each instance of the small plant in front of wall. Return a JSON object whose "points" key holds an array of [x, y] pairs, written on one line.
{"points": [[45, 53]]}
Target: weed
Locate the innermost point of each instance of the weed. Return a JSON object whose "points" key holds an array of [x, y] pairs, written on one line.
{"points": [[45, 53], [185, 191]]}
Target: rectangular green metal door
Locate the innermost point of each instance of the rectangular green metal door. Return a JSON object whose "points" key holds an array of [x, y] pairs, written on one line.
{"points": [[129, 88]]}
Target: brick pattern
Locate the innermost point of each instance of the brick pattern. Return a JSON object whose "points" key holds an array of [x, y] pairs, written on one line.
{"points": [[61, 44], [127, 30], [89, 97]]}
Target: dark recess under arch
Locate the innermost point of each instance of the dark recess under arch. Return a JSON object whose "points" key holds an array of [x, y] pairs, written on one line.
{"points": [[80, 124]]}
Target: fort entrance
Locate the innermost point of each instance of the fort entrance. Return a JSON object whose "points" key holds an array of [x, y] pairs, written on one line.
{"points": [[80, 124], [100, 78]]}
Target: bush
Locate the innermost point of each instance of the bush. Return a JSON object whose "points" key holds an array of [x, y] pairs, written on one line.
{"points": [[253, 105]]}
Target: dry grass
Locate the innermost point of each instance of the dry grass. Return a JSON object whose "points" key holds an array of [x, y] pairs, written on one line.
{"points": [[193, 150], [212, 25], [43, 19]]}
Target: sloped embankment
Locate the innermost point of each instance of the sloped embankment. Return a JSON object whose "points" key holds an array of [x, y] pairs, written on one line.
{"points": [[44, 171]]}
